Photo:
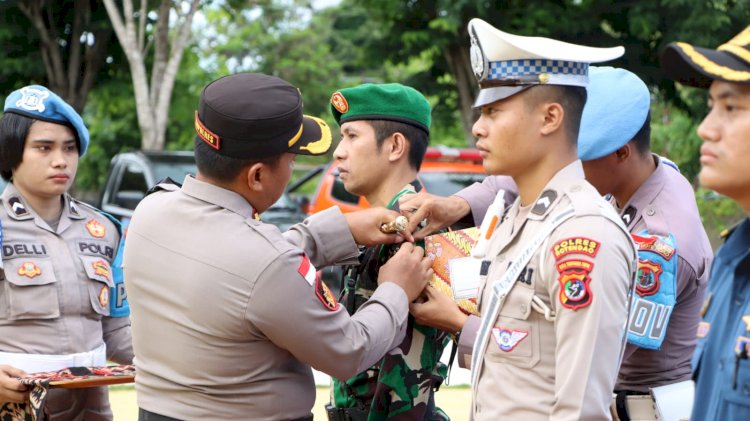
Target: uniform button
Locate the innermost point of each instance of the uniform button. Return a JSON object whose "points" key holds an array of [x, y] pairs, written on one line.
{"points": [[650, 211]]}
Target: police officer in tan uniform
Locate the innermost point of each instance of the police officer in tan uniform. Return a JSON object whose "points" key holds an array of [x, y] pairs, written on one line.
{"points": [[62, 301], [228, 313], [558, 270]]}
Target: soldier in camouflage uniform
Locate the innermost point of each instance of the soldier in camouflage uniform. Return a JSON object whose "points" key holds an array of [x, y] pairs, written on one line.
{"points": [[384, 135]]}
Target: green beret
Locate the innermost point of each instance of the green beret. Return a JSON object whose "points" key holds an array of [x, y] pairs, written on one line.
{"points": [[388, 101]]}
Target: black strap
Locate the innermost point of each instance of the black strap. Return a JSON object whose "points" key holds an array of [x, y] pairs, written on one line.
{"points": [[144, 415], [621, 405]]}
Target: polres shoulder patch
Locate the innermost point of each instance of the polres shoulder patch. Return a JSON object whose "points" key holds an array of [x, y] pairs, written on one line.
{"points": [[575, 245], [325, 295]]}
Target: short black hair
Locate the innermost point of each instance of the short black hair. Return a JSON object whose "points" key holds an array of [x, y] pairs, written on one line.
{"points": [[14, 128], [571, 98], [417, 137], [224, 168], [642, 139]]}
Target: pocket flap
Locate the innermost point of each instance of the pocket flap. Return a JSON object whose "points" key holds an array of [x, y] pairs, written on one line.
{"points": [[26, 272], [98, 269]]}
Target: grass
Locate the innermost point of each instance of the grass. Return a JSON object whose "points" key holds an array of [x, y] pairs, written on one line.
{"points": [[454, 400]]}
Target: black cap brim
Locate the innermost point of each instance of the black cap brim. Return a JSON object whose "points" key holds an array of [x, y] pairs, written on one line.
{"points": [[695, 66], [315, 138]]}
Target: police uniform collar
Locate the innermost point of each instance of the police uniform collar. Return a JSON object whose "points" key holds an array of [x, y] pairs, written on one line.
{"points": [[218, 196], [643, 200], [567, 178], [738, 240], [72, 209]]}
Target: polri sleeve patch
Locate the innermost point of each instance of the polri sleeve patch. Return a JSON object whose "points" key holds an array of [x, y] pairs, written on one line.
{"points": [[325, 295], [574, 283]]}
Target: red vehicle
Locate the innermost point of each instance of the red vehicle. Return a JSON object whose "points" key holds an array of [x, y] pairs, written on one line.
{"points": [[444, 171]]}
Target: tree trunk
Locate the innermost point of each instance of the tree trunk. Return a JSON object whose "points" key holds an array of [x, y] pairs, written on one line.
{"points": [[466, 85], [72, 80], [152, 99]]}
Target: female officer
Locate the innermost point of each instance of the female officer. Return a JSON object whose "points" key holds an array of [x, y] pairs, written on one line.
{"points": [[62, 303]]}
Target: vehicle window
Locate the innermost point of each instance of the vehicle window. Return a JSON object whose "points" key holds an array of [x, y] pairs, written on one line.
{"points": [[446, 184], [339, 193], [174, 170], [133, 179]]}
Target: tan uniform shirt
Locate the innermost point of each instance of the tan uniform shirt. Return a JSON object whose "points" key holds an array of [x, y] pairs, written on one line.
{"points": [[561, 366], [55, 290], [225, 324]]}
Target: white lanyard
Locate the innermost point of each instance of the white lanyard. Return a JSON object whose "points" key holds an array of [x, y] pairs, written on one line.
{"points": [[502, 287]]}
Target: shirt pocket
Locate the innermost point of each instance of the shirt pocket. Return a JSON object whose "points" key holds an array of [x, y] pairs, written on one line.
{"points": [[29, 290], [100, 283], [737, 400], [515, 336]]}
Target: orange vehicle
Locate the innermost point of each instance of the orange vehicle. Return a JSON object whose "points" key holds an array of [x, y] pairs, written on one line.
{"points": [[444, 171]]}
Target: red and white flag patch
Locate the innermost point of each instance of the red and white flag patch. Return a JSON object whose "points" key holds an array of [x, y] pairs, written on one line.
{"points": [[307, 270]]}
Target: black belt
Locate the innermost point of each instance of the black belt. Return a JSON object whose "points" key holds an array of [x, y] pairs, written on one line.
{"points": [[144, 415], [621, 404], [345, 414]]}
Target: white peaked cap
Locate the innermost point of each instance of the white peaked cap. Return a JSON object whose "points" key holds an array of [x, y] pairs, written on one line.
{"points": [[506, 64]]}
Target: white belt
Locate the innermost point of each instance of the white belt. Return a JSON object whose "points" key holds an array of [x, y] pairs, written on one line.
{"points": [[35, 363]]}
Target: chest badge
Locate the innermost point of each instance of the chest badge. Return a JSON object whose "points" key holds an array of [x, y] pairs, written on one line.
{"points": [[746, 319], [30, 270], [104, 296], [507, 339], [101, 268], [96, 229]]}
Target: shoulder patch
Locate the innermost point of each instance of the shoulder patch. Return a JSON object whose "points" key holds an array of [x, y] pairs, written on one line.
{"points": [[647, 282], [325, 295], [703, 328], [574, 283], [654, 244], [575, 245]]}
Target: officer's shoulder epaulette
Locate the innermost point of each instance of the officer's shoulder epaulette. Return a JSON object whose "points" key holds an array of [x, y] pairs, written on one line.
{"points": [[727, 232], [166, 184], [116, 222]]}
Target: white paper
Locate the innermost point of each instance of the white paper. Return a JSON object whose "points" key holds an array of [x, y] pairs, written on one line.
{"points": [[464, 275]]}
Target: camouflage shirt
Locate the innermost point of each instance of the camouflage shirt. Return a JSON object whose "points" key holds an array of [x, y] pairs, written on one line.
{"points": [[402, 385]]}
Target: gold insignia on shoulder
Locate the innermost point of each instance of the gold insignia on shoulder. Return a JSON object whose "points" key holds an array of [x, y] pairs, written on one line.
{"points": [[96, 229]]}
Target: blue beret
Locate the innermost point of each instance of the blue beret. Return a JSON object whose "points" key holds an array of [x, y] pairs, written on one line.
{"points": [[38, 102], [617, 105]]}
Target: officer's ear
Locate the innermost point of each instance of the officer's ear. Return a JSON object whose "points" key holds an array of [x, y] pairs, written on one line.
{"points": [[553, 116], [256, 174], [623, 153]]}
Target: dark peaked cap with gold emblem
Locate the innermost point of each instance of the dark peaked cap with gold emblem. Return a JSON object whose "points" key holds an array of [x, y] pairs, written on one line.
{"points": [[255, 116], [697, 66], [506, 64]]}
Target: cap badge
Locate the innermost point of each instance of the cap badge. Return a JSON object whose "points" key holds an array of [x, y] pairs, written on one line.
{"points": [[478, 62], [95, 228], [543, 78], [32, 99], [212, 139], [339, 102], [29, 269]]}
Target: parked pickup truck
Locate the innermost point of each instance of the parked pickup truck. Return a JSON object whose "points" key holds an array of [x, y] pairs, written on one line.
{"points": [[132, 174]]}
